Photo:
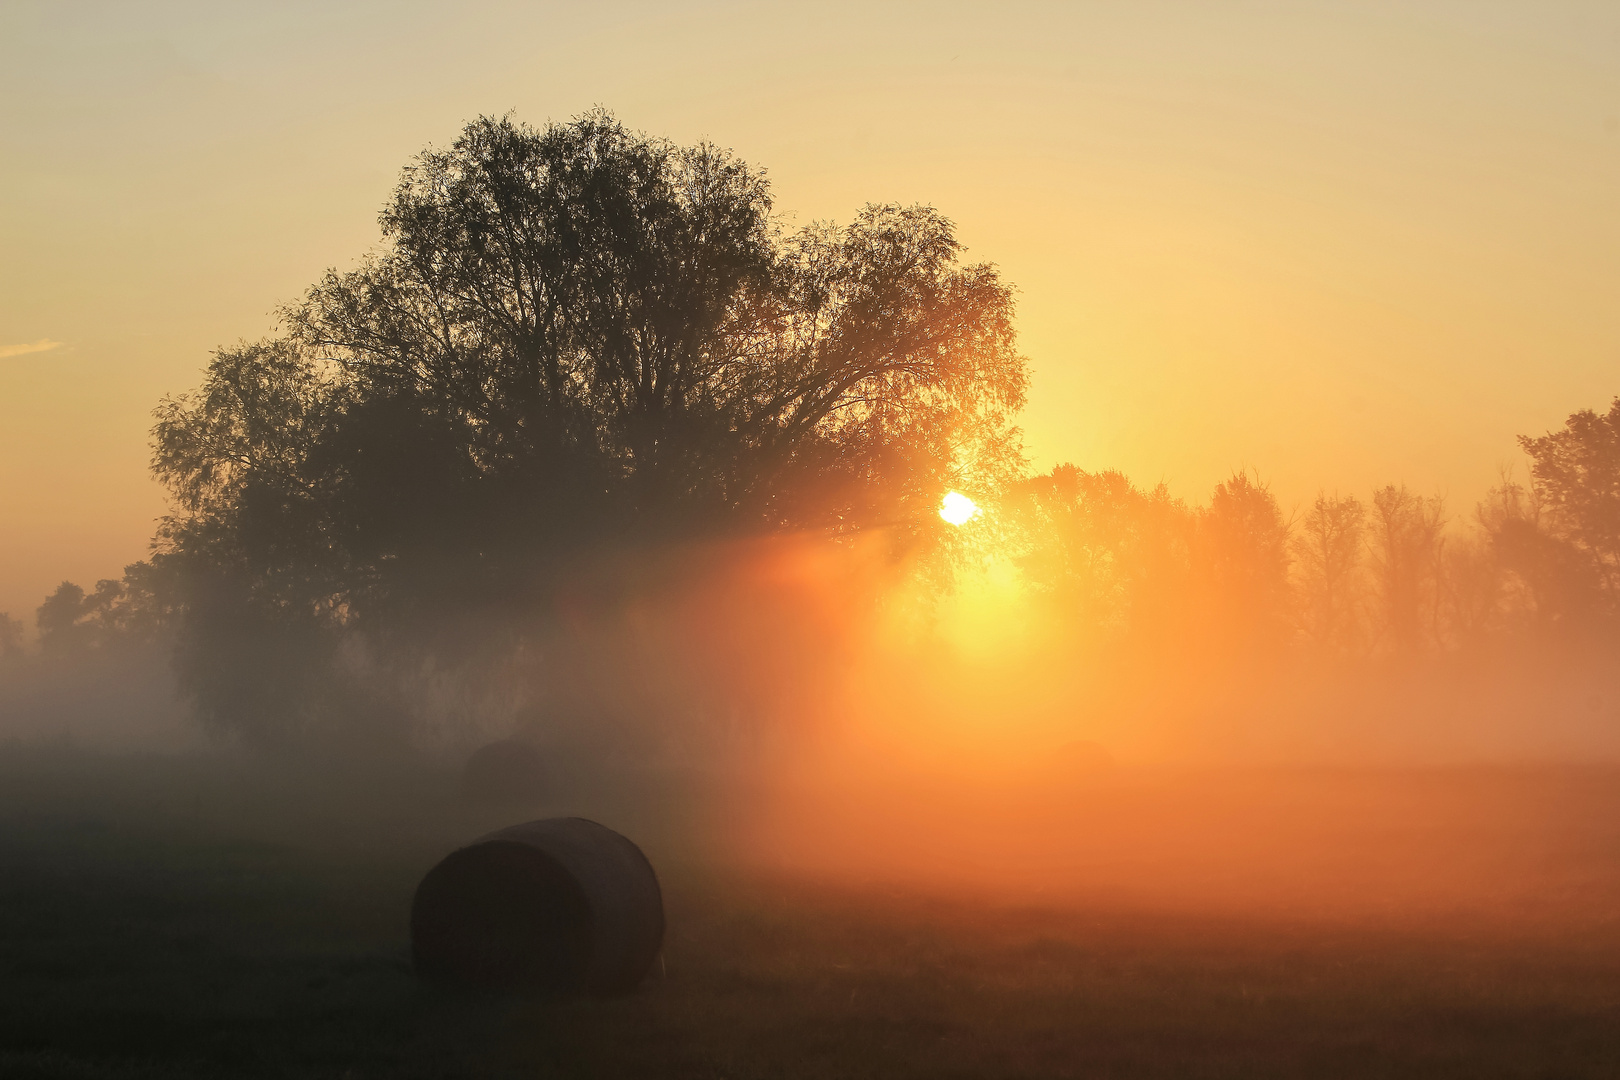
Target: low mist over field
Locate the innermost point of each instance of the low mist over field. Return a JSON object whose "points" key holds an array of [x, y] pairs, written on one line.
{"points": [[643, 476]]}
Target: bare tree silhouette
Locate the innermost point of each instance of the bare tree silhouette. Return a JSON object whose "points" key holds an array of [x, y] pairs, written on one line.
{"points": [[1406, 542], [1327, 546]]}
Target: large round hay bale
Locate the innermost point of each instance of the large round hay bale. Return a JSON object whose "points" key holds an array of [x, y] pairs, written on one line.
{"points": [[510, 770], [562, 905]]}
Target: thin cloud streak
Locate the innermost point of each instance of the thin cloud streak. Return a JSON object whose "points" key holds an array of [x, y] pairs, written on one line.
{"points": [[42, 345]]}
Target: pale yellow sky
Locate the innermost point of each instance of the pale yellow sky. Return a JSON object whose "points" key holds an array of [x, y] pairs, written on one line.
{"points": [[1340, 243]]}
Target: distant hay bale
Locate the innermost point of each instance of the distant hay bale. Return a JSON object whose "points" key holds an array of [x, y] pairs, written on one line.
{"points": [[562, 905], [511, 770]]}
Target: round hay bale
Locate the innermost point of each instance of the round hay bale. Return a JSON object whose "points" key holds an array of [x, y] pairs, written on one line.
{"points": [[562, 905], [511, 770]]}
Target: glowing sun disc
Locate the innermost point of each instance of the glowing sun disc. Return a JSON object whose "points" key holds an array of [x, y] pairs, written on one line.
{"points": [[957, 508]]}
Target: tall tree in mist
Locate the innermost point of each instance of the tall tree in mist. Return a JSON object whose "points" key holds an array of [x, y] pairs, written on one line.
{"points": [[60, 620], [1406, 540], [1327, 546], [1144, 569], [1576, 477], [1104, 553], [120, 612], [1242, 557], [11, 637], [1552, 583], [571, 337]]}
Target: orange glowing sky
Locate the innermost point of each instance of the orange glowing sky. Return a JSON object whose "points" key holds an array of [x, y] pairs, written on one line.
{"points": [[1340, 243]]}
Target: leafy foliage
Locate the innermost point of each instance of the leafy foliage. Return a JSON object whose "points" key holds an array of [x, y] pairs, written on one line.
{"points": [[1100, 546], [573, 337], [1576, 473]]}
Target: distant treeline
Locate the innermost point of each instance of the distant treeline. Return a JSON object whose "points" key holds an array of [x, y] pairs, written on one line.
{"points": [[1396, 573]]}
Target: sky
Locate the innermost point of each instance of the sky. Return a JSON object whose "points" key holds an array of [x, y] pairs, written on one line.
{"points": [[1339, 244]]}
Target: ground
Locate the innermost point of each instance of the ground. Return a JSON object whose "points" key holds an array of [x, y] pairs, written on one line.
{"points": [[202, 917]]}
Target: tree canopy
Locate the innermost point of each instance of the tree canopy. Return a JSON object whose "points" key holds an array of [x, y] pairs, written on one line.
{"points": [[576, 336], [578, 332], [1576, 473]]}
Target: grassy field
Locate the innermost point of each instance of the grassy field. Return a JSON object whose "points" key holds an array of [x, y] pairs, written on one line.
{"points": [[198, 918]]}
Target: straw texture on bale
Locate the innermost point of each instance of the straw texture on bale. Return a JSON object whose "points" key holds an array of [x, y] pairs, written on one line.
{"points": [[561, 905]]}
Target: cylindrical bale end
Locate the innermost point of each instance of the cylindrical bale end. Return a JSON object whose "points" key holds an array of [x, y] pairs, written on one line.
{"points": [[562, 905]]}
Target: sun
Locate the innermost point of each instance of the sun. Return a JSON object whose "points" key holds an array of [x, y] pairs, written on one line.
{"points": [[957, 508]]}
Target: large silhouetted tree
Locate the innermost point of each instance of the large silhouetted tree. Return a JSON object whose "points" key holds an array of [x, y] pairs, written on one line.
{"points": [[573, 337]]}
